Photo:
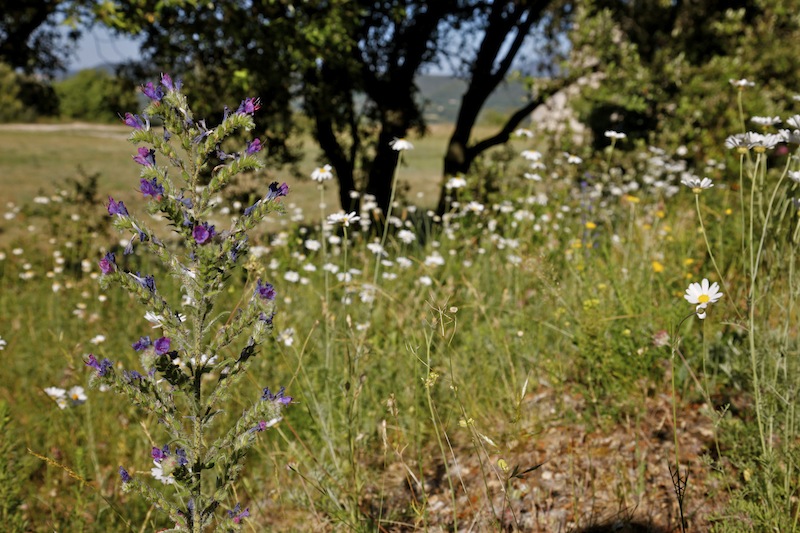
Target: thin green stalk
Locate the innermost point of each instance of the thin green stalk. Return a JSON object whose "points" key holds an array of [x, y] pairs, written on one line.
{"points": [[752, 314], [708, 247], [386, 220]]}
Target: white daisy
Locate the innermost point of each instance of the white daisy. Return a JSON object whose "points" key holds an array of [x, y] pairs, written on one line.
{"points": [[696, 184], [401, 144], [322, 174], [702, 294]]}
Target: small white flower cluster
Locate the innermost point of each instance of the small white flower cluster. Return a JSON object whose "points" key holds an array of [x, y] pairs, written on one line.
{"points": [[67, 398]]}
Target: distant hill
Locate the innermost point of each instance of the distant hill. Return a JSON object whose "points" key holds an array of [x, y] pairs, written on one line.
{"points": [[442, 95]]}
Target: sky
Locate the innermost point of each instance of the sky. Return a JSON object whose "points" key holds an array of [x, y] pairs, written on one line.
{"points": [[101, 46]]}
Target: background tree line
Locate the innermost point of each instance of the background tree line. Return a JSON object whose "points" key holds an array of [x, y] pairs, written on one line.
{"points": [[350, 66]]}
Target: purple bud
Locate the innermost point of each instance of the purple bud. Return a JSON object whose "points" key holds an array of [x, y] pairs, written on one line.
{"points": [[266, 291], [253, 147], [159, 454], [153, 92], [107, 264], [203, 233], [162, 345], [278, 398], [151, 188], [146, 157], [116, 208], [126, 477], [276, 191], [102, 367], [136, 122], [249, 106], [142, 343], [166, 81]]}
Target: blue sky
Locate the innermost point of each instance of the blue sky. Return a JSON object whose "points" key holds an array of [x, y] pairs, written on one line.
{"points": [[101, 46]]}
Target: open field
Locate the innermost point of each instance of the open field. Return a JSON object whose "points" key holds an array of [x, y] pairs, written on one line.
{"points": [[530, 363]]}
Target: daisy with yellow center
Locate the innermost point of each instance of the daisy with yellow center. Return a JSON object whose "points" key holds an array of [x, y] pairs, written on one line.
{"points": [[702, 294]]}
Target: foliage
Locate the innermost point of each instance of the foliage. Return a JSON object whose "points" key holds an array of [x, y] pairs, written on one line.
{"points": [[31, 33], [666, 66], [11, 107], [24, 98], [94, 95], [352, 65]]}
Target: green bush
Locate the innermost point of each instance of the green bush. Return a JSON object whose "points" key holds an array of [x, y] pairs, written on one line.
{"points": [[94, 95]]}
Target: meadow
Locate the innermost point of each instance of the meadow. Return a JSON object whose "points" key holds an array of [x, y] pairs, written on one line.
{"points": [[527, 361]]}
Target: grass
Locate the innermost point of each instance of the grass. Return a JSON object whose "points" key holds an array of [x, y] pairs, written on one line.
{"points": [[517, 366]]}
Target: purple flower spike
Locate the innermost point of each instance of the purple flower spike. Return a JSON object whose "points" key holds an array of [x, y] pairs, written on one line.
{"points": [[142, 343], [102, 367], [203, 233], [151, 188], [276, 191], [162, 345], [107, 264], [253, 147], [153, 92], [146, 157], [126, 477], [116, 208], [136, 122], [278, 398], [249, 106], [266, 291]]}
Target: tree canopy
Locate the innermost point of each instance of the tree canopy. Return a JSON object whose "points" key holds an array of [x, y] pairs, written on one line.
{"points": [[351, 64]]}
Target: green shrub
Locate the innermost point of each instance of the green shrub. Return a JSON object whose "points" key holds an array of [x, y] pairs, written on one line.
{"points": [[94, 95]]}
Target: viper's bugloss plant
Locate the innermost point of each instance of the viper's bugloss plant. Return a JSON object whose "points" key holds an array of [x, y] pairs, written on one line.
{"points": [[170, 383]]}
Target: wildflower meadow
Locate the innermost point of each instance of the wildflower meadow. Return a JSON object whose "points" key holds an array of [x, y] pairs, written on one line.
{"points": [[604, 339]]}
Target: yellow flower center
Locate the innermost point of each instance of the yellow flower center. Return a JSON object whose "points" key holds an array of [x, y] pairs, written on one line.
{"points": [[697, 190], [703, 298]]}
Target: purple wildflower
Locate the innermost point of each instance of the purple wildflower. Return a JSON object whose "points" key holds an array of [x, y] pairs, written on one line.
{"points": [[253, 147], [266, 319], [131, 375], [146, 157], [181, 454], [203, 233], [166, 81], [204, 131], [162, 345], [236, 514], [249, 106], [153, 92], [102, 367], [126, 477], [116, 208], [142, 343], [278, 398], [250, 209], [136, 122], [159, 454], [266, 291], [276, 191], [107, 264], [151, 188], [147, 282]]}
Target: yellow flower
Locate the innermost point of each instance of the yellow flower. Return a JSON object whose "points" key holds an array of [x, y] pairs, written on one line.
{"points": [[590, 225], [688, 261], [657, 267], [660, 213], [630, 198], [729, 211]]}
